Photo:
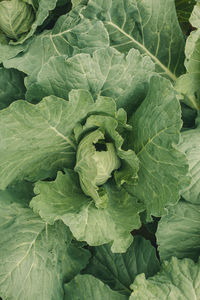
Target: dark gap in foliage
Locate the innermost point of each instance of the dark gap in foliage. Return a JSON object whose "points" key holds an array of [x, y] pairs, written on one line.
{"points": [[188, 116], [54, 15], [100, 146]]}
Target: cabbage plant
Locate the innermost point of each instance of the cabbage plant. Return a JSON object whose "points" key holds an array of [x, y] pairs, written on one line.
{"points": [[99, 149]]}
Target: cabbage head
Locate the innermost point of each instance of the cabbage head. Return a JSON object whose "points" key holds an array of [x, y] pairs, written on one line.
{"points": [[16, 18]]}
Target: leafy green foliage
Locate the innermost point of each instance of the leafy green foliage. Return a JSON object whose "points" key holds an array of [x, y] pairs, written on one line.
{"points": [[178, 232], [63, 199], [119, 270], [99, 149], [34, 254], [90, 287], [177, 279]]}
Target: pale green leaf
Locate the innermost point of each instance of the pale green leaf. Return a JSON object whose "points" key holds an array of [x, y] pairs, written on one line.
{"points": [[188, 84], [107, 72], [70, 35], [86, 287], [63, 199], [156, 132], [35, 258], [151, 26], [11, 86], [178, 279], [195, 16], [119, 270], [38, 139], [190, 144], [178, 232]]}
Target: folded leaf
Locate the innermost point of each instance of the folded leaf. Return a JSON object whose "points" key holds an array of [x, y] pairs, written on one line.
{"points": [[107, 73], [178, 232], [141, 25], [63, 199], [156, 131], [70, 35], [119, 270], [190, 144], [89, 287], [178, 279], [38, 139], [35, 257]]}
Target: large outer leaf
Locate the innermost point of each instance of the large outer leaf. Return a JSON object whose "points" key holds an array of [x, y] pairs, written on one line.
{"points": [[178, 232], [119, 270], [107, 72], [178, 279], [188, 83], [151, 26], [190, 144], [156, 131], [11, 86], [8, 51], [11, 49], [63, 199], [70, 35], [86, 287], [35, 257], [37, 140]]}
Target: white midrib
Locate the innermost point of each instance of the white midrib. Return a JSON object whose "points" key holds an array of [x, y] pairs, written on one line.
{"points": [[141, 46], [64, 137]]}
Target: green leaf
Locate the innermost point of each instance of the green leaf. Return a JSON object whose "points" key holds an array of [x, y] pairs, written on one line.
{"points": [[178, 279], [107, 72], [119, 270], [11, 86], [9, 49], [34, 138], [141, 24], [38, 139], [190, 144], [156, 132], [178, 232], [63, 199], [188, 84], [87, 287], [35, 258], [70, 35], [42, 12]]}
